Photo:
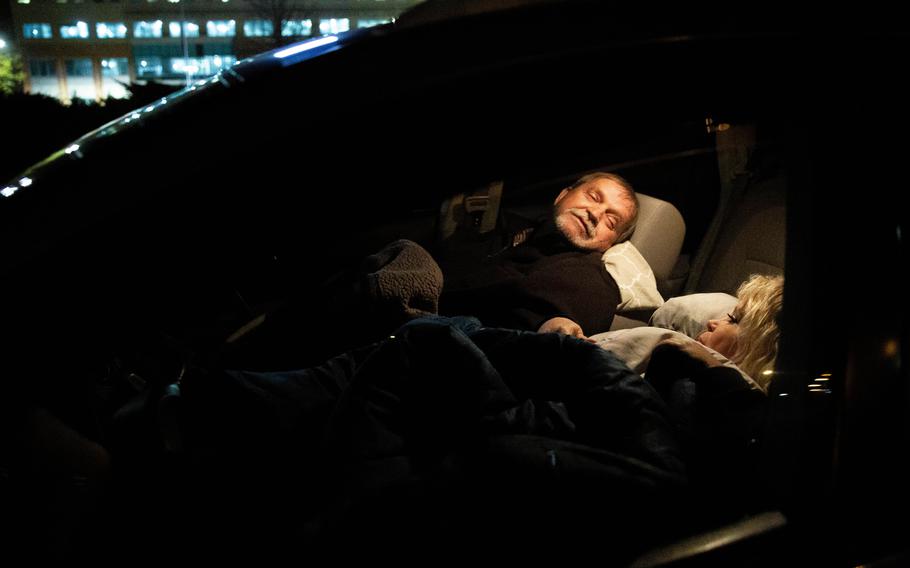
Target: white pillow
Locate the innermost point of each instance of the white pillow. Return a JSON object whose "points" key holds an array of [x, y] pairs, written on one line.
{"points": [[633, 346], [690, 314], [633, 275]]}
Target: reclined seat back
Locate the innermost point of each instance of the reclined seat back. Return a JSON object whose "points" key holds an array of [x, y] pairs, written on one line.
{"points": [[751, 239]]}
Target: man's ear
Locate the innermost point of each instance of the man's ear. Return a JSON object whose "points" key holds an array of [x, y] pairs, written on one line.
{"points": [[561, 195]]}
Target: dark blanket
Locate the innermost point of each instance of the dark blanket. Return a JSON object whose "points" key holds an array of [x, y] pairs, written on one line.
{"points": [[455, 432], [448, 435]]}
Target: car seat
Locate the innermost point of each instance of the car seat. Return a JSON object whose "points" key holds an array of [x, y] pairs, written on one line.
{"points": [[658, 236], [751, 233]]}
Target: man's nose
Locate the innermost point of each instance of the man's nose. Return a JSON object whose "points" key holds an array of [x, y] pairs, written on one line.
{"points": [[594, 216]]}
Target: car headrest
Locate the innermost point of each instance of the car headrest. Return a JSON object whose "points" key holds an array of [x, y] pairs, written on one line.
{"points": [[659, 235]]}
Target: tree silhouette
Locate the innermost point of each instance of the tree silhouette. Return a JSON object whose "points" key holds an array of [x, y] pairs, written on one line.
{"points": [[39, 125]]}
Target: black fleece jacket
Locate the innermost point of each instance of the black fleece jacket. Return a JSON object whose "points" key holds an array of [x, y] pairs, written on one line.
{"points": [[522, 286]]}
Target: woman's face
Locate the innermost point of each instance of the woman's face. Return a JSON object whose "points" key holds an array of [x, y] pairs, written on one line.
{"points": [[721, 335]]}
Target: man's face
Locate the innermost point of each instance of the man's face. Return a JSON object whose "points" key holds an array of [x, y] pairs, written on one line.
{"points": [[592, 215]]}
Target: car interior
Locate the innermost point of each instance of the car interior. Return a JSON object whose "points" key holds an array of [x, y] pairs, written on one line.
{"points": [[254, 264], [263, 318], [688, 251]]}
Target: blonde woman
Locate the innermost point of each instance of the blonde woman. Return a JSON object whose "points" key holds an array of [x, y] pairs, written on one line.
{"points": [[716, 415], [749, 334]]}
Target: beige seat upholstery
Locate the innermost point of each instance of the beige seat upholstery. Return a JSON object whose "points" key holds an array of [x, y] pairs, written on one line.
{"points": [[658, 237], [752, 240]]}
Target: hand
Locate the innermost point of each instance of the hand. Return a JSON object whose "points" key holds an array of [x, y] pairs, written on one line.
{"points": [[564, 326]]}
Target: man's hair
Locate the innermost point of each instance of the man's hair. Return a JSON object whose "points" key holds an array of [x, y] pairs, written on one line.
{"points": [[623, 183], [760, 301]]}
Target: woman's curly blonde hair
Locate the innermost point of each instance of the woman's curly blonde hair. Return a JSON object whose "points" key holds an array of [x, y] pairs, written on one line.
{"points": [[760, 301]]}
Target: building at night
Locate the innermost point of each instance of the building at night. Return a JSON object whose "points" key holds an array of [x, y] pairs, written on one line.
{"points": [[90, 49]]}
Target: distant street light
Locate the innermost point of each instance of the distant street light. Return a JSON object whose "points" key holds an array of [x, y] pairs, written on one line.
{"points": [[2, 44]]}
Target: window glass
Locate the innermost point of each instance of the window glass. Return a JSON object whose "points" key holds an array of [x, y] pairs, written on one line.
{"points": [[144, 29], [149, 67], [37, 31], [204, 66], [43, 74], [297, 28], [220, 28], [114, 75], [190, 29], [368, 23], [334, 25], [110, 30], [258, 28], [78, 30], [42, 68], [79, 67], [80, 80]]}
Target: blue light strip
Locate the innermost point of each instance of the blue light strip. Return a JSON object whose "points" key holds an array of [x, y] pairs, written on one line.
{"points": [[300, 48]]}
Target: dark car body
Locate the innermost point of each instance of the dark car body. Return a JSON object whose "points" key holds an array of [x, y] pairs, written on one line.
{"points": [[259, 188]]}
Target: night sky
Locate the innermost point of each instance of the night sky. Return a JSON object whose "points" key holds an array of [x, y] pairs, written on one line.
{"points": [[5, 23]]}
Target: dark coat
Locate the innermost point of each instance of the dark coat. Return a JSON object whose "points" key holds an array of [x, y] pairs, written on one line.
{"points": [[520, 287]]}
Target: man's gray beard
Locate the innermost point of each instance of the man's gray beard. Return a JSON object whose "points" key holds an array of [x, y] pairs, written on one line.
{"points": [[561, 223]]}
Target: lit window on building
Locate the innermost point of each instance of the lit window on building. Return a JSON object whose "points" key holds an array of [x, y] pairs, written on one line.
{"points": [[205, 66], [334, 25], [80, 79], [110, 30], [258, 28], [220, 28], [148, 29], [373, 22], [115, 67], [37, 31], [183, 66], [43, 77], [79, 30], [149, 67], [296, 28], [190, 29], [115, 74]]}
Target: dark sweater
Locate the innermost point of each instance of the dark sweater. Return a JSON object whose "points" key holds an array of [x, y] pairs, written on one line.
{"points": [[522, 286]]}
